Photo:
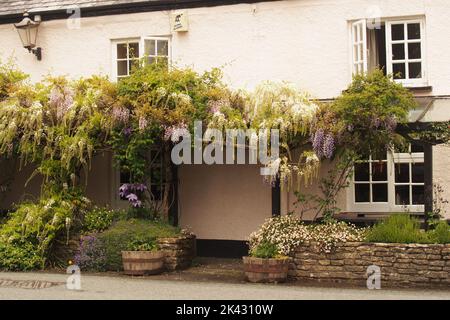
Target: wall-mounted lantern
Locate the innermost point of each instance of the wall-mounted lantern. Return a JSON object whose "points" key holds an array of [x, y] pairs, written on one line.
{"points": [[28, 30]]}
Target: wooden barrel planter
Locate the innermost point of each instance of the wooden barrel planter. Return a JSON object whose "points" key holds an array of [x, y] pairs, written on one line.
{"points": [[139, 263], [266, 270]]}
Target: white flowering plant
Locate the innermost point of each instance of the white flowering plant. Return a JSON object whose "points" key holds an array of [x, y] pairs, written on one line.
{"points": [[288, 232]]}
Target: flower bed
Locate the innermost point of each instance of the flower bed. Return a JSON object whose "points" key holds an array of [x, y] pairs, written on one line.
{"points": [[401, 264]]}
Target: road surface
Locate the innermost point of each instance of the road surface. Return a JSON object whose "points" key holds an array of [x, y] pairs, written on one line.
{"points": [[53, 286]]}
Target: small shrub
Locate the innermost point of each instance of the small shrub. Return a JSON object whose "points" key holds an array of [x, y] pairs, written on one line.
{"points": [[117, 238], [29, 235], [100, 219], [140, 244], [264, 250], [398, 228], [20, 257], [288, 232], [330, 233], [91, 254], [285, 232], [441, 233]]}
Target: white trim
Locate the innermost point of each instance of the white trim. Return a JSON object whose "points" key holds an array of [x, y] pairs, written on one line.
{"points": [[141, 42], [358, 41], [423, 60]]}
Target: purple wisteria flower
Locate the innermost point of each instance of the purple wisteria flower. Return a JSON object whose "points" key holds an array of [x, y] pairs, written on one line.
{"points": [[376, 123], [390, 123], [317, 140], [328, 146], [143, 123], [127, 131], [174, 133], [121, 114], [61, 101]]}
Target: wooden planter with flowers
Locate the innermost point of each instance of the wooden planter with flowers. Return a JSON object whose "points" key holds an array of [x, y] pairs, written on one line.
{"points": [[143, 258], [266, 269]]}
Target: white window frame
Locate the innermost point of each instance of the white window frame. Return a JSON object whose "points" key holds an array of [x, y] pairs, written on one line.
{"points": [[115, 43], [358, 36], [390, 206], [361, 26], [141, 40], [389, 42]]}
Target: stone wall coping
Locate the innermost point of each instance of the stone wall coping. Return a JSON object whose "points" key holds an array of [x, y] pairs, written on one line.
{"points": [[176, 239], [379, 244]]}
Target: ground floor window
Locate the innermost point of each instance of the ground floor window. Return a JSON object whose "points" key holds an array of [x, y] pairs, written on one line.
{"points": [[156, 181], [392, 183]]}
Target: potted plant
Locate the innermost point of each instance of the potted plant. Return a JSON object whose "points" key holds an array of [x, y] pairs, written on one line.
{"points": [[266, 264], [143, 257]]}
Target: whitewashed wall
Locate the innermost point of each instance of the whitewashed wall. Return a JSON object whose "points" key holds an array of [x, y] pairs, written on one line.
{"points": [[303, 41]]}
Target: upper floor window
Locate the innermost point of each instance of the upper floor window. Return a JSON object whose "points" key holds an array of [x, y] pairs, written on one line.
{"points": [[396, 46], [127, 53]]}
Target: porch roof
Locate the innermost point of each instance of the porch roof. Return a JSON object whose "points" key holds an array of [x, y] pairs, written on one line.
{"points": [[431, 110]]}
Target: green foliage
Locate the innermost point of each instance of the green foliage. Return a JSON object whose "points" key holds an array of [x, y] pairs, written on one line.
{"points": [[140, 244], [28, 235], [397, 228], [441, 233], [10, 79], [264, 250], [20, 256], [372, 107], [122, 233], [57, 125], [99, 219]]}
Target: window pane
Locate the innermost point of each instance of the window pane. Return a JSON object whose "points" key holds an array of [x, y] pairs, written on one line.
{"points": [[134, 50], [418, 195], [416, 148], [399, 70], [379, 171], [402, 172], [398, 32], [124, 177], [414, 51], [355, 53], [150, 60], [380, 193], [162, 60], [133, 64], [402, 195], [150, 47], [122, 51], [163, 48], [418, 173], [122, 68], [362, 172], [415, 70], [414, 31], [362, 192], [398, 51]]}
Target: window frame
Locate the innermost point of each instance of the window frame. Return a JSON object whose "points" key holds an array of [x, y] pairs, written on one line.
{"points": [[390, 206], [423, 60], [141, 42], [388, 22]]}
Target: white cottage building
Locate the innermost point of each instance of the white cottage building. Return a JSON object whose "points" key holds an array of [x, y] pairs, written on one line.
{"points": [[316, 44]]}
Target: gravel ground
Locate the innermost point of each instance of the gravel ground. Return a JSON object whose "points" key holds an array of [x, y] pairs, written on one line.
{"points": [[52, 286]]}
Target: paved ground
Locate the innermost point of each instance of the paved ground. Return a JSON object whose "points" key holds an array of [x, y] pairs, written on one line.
{"points": [[52, 286]]}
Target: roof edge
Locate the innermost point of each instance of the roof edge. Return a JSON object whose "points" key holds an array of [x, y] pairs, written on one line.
{"points": [[126, 8]]}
